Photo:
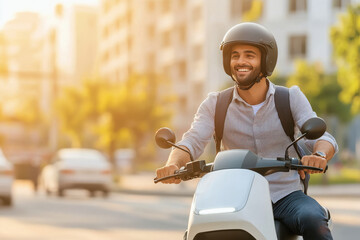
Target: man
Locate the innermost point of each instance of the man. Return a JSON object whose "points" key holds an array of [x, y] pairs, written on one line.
{"points": [[252, 122]]}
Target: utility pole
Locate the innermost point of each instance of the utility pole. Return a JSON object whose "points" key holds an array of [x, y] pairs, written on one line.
{"points": [[53, 133]]}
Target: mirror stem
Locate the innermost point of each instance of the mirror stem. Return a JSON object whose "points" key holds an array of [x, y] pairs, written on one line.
{"points": [[287, 149], [191, 157]]}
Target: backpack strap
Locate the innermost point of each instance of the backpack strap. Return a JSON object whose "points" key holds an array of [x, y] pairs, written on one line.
{"points": [[282, 104], [222, 104]]}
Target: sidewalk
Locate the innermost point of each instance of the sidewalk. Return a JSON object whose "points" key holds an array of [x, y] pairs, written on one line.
{"points": [[142, 183]]}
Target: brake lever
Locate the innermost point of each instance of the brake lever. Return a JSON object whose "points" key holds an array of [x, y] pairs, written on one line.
{"points": [[296, 166]]}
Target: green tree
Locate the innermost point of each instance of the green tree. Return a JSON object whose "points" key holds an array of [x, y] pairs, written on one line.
{"points": [[113, 115], [131, 112], [321, 90], [255, 11], [77, 107], [345, 37]]}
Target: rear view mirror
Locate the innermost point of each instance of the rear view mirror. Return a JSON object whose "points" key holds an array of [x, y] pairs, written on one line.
{"points": [[313, 128], [165, 137]]}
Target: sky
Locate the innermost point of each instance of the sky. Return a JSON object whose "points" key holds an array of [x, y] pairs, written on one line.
{"points": [[8, 8]]}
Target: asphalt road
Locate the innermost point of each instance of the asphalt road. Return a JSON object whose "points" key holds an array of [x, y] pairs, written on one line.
{"points": [[125, 216]]}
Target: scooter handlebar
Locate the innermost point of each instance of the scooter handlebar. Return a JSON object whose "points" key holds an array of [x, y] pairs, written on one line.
{"points": [[192, 170]]}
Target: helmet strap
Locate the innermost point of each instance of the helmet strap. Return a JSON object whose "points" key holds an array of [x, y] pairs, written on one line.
{"points": [[256, 80]]}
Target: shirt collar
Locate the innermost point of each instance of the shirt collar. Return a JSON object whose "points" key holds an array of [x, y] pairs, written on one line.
{"points": [[270, 92]]}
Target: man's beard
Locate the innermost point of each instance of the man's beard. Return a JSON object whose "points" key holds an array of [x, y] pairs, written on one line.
{"points": [[245, 81]]}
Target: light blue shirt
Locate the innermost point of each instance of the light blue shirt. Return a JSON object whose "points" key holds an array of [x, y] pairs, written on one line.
{"points": [[261, 133]]}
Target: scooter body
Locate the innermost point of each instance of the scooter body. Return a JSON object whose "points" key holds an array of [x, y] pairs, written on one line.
{"points": [[231, 204]]}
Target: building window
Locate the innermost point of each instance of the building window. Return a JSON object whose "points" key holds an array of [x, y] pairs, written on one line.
{"points": [[181, 4], [182, 70], [238, 8], [297, 6], [197, 14], [105, 32], [182, 34], [198, 89], [151, 5], [151, 31], [341, 3], [166, 41], [166, 6], [151, 62], [117, 49], [106, 6], [297, 46], [198, 53], [106, 57], [182, 104], [167, 71]]}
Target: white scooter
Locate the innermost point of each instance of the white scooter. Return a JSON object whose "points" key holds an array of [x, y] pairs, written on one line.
{"points": [[232, 200]]}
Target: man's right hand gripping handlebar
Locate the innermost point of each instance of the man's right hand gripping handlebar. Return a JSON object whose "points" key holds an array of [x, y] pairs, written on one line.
{"points": [[177, 158], [167, 171]]}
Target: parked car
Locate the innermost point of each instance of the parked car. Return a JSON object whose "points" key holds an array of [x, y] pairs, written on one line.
{"points": [[6, 180], [75, 168]]}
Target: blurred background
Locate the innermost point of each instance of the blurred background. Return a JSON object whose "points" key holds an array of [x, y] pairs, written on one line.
{"points": [[106, 74]]}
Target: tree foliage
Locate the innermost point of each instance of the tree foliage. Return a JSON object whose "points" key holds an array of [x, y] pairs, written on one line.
{"points": [[345, 37], [115, 115], [22, 108], [255, 11], [321, 90]]}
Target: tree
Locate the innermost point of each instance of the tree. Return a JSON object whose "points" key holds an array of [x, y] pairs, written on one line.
{"points": [[131, 112], [255, 11], [109, 115], [345, 37], [321, 90], [77, 108]]}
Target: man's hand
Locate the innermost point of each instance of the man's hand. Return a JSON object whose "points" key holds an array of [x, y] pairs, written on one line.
{"points": [[312, 161], [167, 171]]}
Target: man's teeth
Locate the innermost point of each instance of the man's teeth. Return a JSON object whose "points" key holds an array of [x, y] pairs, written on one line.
{"points": [[243, 70]]}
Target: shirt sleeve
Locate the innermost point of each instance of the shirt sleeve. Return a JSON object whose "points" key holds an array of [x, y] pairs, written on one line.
{"points": [[302, 111], [202, 127]]}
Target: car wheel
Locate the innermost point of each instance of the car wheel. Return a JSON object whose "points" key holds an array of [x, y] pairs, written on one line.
{"points": [[48, 192], [92, 193], [60, 192], [7, 201], [105, 193]]}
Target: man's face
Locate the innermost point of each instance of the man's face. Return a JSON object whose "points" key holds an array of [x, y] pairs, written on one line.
{"points": [[245, 63]]}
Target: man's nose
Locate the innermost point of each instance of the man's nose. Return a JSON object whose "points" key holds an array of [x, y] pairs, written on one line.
{"points": [[241, 60]]}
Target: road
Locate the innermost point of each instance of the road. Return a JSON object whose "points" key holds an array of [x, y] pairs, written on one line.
{"points": [[125, 216]]}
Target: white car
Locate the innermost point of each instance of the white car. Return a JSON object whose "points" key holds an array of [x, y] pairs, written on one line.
{"points": [[6, 180], [75, 168]]}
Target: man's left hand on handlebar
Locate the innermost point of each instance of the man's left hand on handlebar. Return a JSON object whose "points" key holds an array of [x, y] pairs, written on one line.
{"points": [[312, 161]]}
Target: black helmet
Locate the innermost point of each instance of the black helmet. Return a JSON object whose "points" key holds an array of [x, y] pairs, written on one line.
{"points": [[252, 34]]}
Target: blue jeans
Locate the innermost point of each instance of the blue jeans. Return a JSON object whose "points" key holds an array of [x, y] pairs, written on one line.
{"points": [[302, 215]]}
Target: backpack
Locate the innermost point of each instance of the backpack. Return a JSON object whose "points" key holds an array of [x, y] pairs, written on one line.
{"points": [[282, 105]]}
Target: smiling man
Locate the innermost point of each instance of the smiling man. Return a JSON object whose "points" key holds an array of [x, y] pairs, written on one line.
{"points": [[252, 122]]}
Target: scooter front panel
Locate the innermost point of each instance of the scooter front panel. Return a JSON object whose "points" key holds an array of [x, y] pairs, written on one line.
{"points": [[230, 190]]}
